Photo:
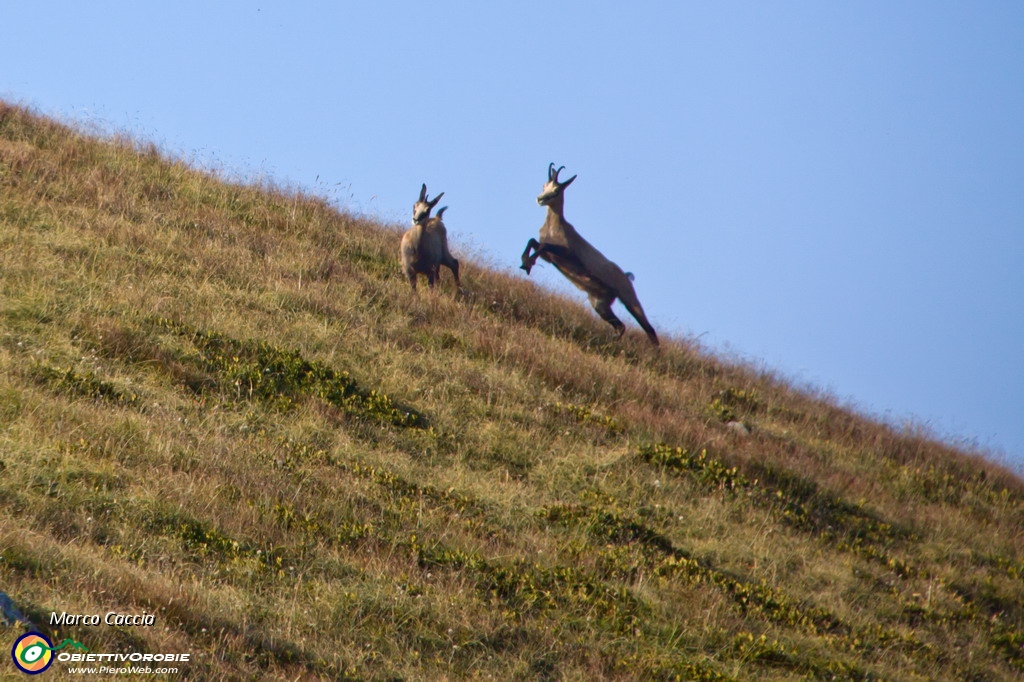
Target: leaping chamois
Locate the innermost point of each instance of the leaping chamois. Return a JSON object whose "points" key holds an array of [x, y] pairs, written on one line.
{"points": [[583, 265], [425, 245]]}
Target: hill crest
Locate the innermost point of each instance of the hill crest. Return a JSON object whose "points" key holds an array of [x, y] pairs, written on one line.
{"points": [[221, 404]]}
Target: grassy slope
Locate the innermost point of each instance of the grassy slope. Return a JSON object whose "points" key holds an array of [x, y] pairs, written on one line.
{"points": [[220, 404]]}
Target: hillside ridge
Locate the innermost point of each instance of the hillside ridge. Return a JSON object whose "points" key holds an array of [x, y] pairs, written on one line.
{"points": [[220, 404]]}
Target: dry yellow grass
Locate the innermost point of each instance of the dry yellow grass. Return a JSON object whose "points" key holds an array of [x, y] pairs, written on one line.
{"points": [[220, 403]]}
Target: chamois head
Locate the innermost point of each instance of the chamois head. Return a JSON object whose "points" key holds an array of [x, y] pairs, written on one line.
{"points": [[421, 209], [553, 188]]}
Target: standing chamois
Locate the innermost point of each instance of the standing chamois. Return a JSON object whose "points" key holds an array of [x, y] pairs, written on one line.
{"points": [[583, 265], [425, 245]]}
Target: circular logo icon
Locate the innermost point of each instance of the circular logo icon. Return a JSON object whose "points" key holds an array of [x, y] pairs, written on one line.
{"points": [[32, 653]]}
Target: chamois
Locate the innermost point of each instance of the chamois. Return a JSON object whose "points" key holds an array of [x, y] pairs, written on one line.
{"points": [[425, 245], [437, 232], [561, 245]]}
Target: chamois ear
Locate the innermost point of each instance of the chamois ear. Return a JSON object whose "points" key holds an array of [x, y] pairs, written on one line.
{"points": [[568, 182], [433, 202], [423, 192]]}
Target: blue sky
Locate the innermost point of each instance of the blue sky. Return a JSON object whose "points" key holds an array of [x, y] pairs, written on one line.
{"points": [[834, 191]]}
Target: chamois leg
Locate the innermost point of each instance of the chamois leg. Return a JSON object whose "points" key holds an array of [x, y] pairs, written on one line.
{"points": [[638, 313], [453, 265], [546, 251], [529, 260], [603, 306]]}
